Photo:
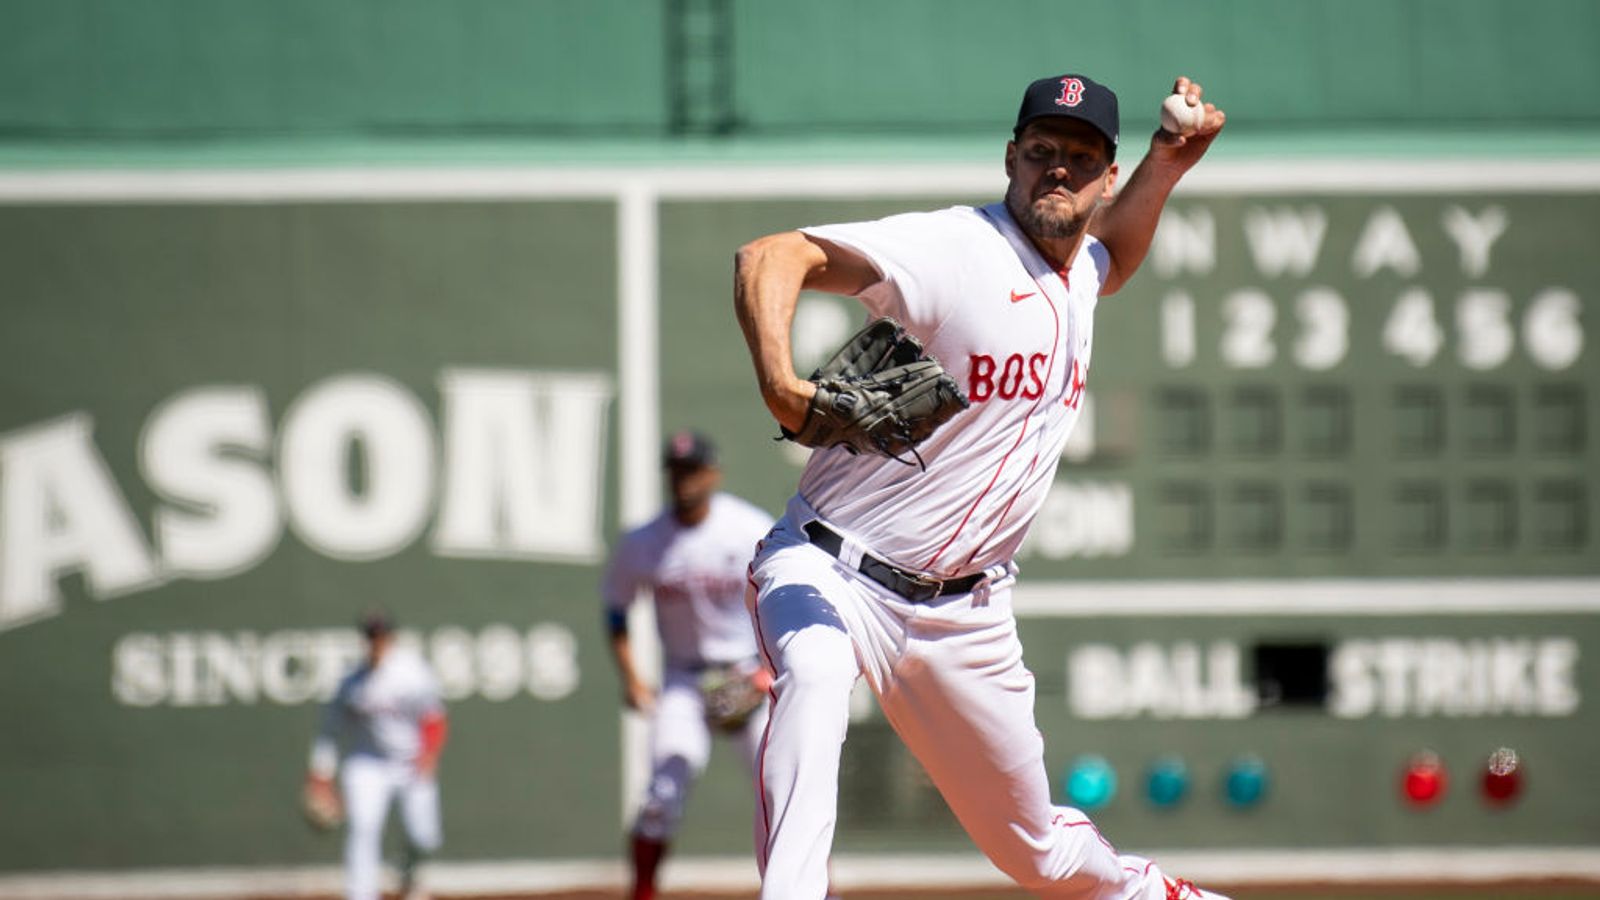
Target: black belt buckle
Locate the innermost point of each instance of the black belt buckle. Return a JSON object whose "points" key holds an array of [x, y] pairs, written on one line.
{"points": [[910, 585], [918, 589]]}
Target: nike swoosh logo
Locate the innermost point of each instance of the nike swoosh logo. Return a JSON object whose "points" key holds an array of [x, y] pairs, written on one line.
{"points": [[1015, 297]]}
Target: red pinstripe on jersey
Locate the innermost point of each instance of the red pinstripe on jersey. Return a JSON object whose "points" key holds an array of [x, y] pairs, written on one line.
{"points": [[1003, 513], [1022, 432]]}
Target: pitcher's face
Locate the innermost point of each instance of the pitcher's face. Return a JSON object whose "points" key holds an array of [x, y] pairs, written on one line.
{"points": [[1060, 173]]}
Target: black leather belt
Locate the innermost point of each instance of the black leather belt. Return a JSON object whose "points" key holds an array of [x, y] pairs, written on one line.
{"points": [[910, 585]]}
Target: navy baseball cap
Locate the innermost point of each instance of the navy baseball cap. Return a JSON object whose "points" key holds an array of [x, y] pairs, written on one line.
{"points": [[376, 622], [689, 449], [1075, 97]]}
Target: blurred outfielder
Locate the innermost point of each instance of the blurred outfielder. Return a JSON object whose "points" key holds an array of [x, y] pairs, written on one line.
{"points": [[692, 558], [389, 723]]}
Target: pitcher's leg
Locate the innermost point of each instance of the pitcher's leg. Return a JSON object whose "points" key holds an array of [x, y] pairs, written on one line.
{"points": [[964, 705], [809, 647]]}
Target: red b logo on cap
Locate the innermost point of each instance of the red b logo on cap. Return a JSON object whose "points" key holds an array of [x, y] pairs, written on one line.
{"points": [[1071, 92]]}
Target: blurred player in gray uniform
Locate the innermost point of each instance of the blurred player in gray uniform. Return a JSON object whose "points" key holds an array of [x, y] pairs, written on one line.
{"points": [[692, 558], [389, 722]]}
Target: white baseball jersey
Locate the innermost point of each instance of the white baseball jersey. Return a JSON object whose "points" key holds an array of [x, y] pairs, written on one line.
{"points": [[697, 576], [378, 711], [1016, 335]]}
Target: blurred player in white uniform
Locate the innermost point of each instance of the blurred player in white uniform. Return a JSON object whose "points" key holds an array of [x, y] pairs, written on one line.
{"points": [[881, 570], [692, 559], [382, 732]]}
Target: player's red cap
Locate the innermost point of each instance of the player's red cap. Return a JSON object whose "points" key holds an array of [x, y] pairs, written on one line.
{"points": [[1073, 96]]}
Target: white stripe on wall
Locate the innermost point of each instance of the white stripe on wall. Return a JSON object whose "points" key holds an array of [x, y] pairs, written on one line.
{"points": [[639, 427], [1309, 597]]}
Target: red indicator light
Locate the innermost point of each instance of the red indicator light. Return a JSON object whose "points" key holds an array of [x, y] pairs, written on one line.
{"points": [[1425, 779]]}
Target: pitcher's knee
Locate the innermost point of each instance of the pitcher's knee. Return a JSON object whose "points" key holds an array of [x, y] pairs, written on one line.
{"points": [[822, 672], [817, 658], [813, 700]]}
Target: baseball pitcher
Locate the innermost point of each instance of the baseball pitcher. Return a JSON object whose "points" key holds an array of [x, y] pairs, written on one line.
{"points": [[936, 436]]}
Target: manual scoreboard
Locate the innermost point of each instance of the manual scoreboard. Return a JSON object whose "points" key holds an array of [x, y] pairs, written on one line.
{"points": [[1344, 386]]}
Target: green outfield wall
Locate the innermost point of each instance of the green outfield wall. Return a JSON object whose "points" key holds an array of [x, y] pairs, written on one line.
{"points": [[1342, 437], [179, 71]]}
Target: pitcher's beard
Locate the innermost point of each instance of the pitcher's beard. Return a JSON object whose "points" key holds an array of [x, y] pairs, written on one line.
{"points": [[1041, 221]]}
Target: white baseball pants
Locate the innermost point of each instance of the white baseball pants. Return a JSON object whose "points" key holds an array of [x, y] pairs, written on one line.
{"points": [[680, 745], [950, 679], [370, 783]]}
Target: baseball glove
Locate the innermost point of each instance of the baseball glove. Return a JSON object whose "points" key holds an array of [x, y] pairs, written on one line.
{"points": [[732, 694], [880, 394], [320, 804]]}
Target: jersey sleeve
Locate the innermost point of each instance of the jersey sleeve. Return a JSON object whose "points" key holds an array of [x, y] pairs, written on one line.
{"points": [[917, 255], [623, 577]]}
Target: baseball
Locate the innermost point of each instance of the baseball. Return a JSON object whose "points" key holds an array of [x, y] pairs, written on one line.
{"points": [[1178, 117]]}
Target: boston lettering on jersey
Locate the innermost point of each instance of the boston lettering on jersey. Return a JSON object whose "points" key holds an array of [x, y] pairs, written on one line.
{"points": [[1018, 378]]}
